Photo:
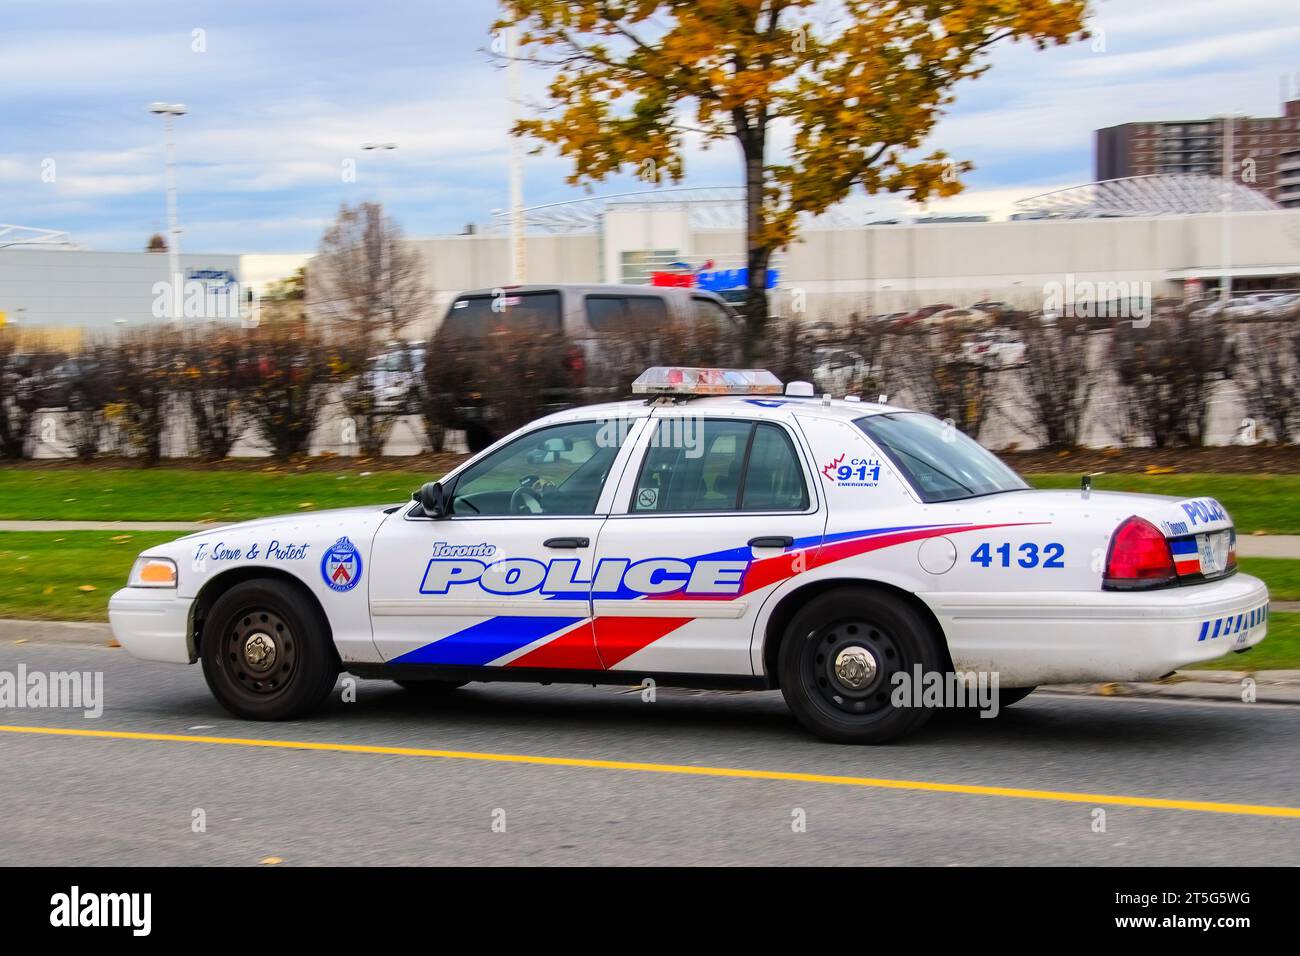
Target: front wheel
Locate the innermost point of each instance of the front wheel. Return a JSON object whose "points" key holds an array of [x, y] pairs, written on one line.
{"points": [[267, 652], [837, 661]]}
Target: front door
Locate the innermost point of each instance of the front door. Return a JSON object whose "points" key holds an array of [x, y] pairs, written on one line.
{"points": [[503, 580]]}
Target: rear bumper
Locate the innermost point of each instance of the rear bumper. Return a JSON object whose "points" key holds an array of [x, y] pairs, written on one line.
{"points": [[153, 624], [1051, 637]]}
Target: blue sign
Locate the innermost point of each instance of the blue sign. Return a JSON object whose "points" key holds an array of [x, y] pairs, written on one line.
{"points": [[726, 279]]}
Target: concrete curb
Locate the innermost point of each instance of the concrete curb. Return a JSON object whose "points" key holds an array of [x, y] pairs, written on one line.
{"points": [[1270, 687]]}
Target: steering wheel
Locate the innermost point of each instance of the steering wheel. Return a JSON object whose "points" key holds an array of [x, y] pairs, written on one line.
{"points": [[525, 501]]}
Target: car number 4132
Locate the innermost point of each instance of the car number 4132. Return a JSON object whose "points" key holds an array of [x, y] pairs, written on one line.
{"points": [[1027, 555]]}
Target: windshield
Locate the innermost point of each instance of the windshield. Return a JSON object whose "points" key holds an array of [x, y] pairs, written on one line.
{"points": [[938, 461]]}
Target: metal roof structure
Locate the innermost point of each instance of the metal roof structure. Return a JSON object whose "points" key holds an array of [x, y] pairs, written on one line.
{"points": [[710, 207], [11, 235], [1163, 194]]}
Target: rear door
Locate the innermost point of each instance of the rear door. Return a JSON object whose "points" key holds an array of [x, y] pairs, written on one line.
{"points": [[712, 513]]}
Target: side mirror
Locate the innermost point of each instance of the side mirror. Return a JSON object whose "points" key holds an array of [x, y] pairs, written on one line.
{"points": [[433, 499]]}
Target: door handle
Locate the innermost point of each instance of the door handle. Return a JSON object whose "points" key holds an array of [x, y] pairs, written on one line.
{"points": [[771, 541], [567, 543]]}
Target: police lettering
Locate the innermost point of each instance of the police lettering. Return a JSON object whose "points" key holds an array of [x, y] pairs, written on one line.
{"points": [[561, 576]]}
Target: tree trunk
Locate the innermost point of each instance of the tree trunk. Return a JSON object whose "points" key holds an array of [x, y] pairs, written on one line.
{"points": [[757, 253]]}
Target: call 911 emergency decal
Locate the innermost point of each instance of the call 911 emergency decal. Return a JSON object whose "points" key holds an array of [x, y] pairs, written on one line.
{"points": [[849, 472], [340, 566]]}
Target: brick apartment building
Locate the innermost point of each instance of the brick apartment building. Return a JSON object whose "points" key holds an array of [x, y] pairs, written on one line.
{"points": [[1196, 146]]}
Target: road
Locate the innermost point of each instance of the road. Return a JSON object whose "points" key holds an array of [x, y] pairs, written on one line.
{"points": [[1056, 759]]}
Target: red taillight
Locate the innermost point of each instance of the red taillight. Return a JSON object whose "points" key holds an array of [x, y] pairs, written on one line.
{"points": [[575, 363], [1139, 557]]}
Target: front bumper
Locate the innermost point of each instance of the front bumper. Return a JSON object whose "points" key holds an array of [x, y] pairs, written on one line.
{"points": [[153, 624], [1053, 637]]}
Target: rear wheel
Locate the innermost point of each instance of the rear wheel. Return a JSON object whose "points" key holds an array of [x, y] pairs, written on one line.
{"points": [[267, 652], [838, 658]]}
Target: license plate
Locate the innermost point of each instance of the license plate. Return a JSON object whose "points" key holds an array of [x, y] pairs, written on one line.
{"points": [[1213, 548]]}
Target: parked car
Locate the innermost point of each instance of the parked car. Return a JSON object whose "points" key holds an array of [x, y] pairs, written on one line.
{"points": [[590, 320], [995, 348]]}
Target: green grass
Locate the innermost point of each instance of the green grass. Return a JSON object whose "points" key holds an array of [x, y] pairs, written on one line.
{"points": [[1279, 651], [1282, 575], [181, 494], [1256, 502], [45, 572]]}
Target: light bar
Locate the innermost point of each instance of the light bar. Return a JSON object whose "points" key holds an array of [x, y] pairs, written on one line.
{"points": [[674, 380]]}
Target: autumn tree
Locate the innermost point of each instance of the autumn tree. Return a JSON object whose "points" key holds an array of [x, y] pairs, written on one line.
{"points": [[816, 109]]}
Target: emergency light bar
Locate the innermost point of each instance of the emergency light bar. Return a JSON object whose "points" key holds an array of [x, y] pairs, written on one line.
{"points": [[674, 380]]}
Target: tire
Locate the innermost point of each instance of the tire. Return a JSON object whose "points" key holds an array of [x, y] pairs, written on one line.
{"points": [[895, 636], [431, 688], [267, 652], [1013, 695]]}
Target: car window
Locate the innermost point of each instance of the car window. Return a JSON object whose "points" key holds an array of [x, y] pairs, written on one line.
{"points": [[938, 461], [773, 478], [709, 313], [695, 465], [476, 316], [558, 470], [622, 312]]}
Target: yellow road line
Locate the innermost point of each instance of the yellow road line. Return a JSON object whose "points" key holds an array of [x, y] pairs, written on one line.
{"points": [[1018, 793]]}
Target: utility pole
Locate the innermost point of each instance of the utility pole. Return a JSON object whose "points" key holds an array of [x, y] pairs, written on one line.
{"points": [[169, 111], [518, 250]]}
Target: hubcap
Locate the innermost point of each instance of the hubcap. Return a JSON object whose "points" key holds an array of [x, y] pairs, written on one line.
{"points": [[855, 666], [260, 651]]}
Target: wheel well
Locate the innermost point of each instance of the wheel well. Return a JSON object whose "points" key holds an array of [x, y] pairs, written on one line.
{"points": [[789, 605], [226, 580]]}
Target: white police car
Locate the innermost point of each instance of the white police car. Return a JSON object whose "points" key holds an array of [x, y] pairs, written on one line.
{"points": [[719, 533]]}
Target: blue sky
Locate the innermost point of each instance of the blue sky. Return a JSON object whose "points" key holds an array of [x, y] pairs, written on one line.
{"points": [[285, 93]]}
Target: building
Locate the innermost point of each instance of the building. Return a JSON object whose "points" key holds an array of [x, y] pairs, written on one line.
{"points": [[1288, 179], [1152, 230], [1197, 146]]}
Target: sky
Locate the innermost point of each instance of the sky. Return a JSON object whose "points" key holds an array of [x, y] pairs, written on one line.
{"points": [[282, 93]]}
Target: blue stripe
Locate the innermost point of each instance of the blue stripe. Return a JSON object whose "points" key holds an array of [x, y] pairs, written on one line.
{"points": [[1217, 625], [482, 643], [1181, 546]]}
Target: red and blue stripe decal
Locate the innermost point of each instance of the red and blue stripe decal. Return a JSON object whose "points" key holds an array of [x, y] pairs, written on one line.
{"points": [[1187, 558], [603, 642]]}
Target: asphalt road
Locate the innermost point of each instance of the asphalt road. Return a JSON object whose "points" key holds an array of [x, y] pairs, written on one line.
{"points": [[76, 799]]}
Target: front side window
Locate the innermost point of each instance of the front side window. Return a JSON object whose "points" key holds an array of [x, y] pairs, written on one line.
{"points": [[938, 461], [558, 470], [714, 465], [626, 313]]}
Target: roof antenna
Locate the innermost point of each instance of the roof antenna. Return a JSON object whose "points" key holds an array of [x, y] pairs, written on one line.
{"points": [[1085, 483]]}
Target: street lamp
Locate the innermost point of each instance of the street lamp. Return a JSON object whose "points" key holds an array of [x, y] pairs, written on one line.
{"points": [[169, 111], [384, 253]]}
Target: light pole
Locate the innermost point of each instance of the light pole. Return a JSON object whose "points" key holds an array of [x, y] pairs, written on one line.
{"points": [[385, 253], [169, 112]]}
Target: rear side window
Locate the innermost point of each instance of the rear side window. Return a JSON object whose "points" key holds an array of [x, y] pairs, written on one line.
{"points": [[711, 315], [615, 312], [477, 316], [719, 465]]}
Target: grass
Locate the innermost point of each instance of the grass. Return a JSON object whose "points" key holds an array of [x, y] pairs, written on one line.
{"points": [[181, 494], [56, 576], [1282, 575], [1256, 502], [1264, 503]]}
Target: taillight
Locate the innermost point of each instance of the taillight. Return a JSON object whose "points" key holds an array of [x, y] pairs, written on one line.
{"points": [[575, 363], [1139, 557]]}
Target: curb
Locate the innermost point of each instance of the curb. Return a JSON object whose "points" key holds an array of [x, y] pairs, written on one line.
{"points": [[1270, 687]]}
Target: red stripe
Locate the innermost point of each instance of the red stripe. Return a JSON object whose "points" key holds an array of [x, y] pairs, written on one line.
{"points": [[575, 648], [621, 637]]}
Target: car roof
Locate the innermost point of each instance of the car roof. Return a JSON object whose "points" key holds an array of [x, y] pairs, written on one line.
{"points": [[762, 406], [593, 288]]}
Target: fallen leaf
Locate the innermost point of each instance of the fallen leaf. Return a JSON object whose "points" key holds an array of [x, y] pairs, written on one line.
{"points": [[306, 504], [21, 640], [87, 587], [271, 861], [112, 642]]}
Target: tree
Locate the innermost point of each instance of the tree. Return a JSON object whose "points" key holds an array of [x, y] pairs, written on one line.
{"points": [[1055, 380], [370, 285], [856, 96]]}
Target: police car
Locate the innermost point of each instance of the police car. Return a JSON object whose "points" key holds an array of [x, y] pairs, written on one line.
{"points": [[717, 531]]}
